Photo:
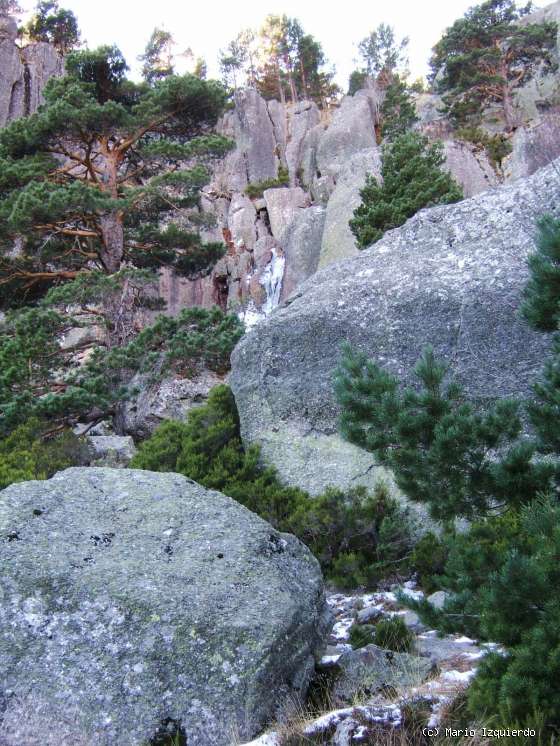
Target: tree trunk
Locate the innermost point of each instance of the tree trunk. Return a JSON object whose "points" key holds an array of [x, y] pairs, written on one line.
{"points": [[507, 99], [510, 116], [279, 80], [303, 80], [113, 241]]}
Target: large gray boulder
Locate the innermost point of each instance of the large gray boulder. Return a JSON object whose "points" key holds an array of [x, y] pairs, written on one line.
{"points": [[130, 598], [452, 276]]}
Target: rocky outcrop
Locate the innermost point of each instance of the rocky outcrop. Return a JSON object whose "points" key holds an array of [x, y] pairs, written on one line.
{"points": [[282, 206], [470, 167], [533, 147], [452, 276], [328, 155], [168, 398], [302, 245], [115, 451], [338, 240], [23, 73], [302, 117], [131, 599], [255, 157], [352, 130]]}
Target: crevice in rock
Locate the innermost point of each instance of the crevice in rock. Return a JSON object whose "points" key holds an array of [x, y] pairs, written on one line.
{"points": [[15, 96], [26, 90], [169, 733]]}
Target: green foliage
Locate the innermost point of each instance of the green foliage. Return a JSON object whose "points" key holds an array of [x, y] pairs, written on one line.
{"points": [[484, 56], [357, 80], [393, 634], [31, 362], [26, 455], [398, 113], [193, 340], [90, 178], [497, 146], [541, 305], [358, 538], [32, 383], [520, 608], [361, 635], [255, 191], [440, 449], [54, 25], [381, 52], [158, 56], [412, 179], [428, 559]]}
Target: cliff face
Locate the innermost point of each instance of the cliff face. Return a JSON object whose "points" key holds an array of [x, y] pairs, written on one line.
{"points": [[452, 277], [277, 240], [23, 73]]}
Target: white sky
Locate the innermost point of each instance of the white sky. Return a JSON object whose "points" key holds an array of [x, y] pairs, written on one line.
{"points": [[208, 25]]}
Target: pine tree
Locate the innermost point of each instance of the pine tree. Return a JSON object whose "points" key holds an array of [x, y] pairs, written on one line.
{"points": [[88, 179], [412, 179], [486, 55], [281, 61], [398, 113], [438, 446], [54, 25], [38, 378], [158, 56], [520, 608], [541, 306], [381, 53]]}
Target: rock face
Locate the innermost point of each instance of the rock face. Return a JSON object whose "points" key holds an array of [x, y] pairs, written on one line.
{"points": [[131, 598], [452, 276], [338, 240], [116, 451], [533, 147], [169, 398], [470, 167], [369, 669], [23, 73], [327, 154], [351, 130], [302, 243]]}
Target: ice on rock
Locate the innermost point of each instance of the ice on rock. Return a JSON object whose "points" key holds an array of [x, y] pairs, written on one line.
{"points": [[271, 280]]}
